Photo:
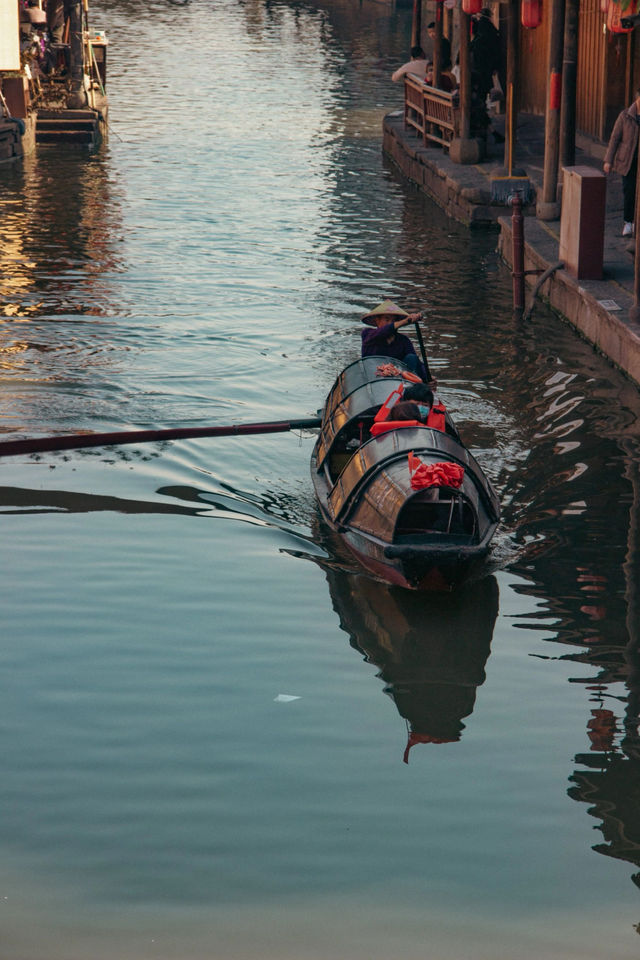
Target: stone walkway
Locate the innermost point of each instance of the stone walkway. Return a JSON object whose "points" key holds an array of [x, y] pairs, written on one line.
{"points": [[601, 310]]}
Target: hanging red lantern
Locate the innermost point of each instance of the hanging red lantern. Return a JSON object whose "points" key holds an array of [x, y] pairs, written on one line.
{"points": [[471, 6], [531, 13], [615, 14]]}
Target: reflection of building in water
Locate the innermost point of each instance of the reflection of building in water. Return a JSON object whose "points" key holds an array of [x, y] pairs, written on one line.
{"points": [[610, 784], [610, 780], [431, 650], [60, 229]]}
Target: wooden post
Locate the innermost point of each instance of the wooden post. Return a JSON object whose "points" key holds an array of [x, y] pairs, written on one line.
{"points": [[513, 83], [635, 310], [447, 28], [464, 28], [416, 24], [569, 84], [517, 254], [437, 46], [548, 207], [77, 98], [464, 148]]}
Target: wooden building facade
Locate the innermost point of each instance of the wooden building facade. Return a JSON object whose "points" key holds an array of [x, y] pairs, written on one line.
{"points": [[608, 69]]}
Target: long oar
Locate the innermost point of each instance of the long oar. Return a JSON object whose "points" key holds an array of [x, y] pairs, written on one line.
{"points": [[76, 441], [422, 349]]}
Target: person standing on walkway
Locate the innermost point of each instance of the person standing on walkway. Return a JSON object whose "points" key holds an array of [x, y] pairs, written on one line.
{"points": [[622, 158], [486, 52], [486, 59]]}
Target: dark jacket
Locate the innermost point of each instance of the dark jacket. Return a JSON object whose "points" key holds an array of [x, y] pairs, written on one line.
{"points": [[623, 140], [486, 54], [374, 344]]}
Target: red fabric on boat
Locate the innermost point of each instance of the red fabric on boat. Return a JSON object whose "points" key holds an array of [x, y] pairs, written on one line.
{"points": [[443, 474], [389, 370]]}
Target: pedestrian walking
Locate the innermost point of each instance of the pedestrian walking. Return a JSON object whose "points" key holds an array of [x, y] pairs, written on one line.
{"points": [[622, 158]]}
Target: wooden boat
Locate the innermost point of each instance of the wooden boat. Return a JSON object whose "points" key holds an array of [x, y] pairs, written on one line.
{"points": [[427, 538]]}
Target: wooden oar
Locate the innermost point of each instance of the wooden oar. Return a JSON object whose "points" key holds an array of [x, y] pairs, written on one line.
{"points": [[75, 441], [422, 349]]}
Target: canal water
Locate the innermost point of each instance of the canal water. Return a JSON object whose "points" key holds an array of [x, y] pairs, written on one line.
{"points": [[204, 708]]}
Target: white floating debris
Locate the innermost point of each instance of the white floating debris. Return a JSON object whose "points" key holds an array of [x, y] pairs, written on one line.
{"points": [[284, 698], [610, 305]]}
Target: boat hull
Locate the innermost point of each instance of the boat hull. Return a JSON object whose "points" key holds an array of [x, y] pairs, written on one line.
{"points": [[431, 537], [414, 567]]}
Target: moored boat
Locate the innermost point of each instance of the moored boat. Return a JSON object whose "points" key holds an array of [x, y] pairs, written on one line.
{"points": [[407, 498]]}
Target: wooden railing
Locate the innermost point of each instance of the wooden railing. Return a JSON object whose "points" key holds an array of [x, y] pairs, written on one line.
{"points": [[432, 112]]}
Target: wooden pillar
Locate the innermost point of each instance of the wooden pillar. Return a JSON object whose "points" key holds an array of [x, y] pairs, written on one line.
{"points": [[437, 46], [548, 207], [464, 148], [635, 310], [447, 27], [416, 24], [464, 28], [569, 84], [513, 83], [78, 97]]}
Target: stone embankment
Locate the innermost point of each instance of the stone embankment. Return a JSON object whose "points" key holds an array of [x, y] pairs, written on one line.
{"points": [[602, 310]]}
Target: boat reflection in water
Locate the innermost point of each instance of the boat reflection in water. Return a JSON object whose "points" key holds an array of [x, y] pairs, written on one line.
{"points": [[431, 649]]}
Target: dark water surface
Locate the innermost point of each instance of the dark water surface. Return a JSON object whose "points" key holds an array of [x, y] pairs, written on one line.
{"points": [[157, 798]]}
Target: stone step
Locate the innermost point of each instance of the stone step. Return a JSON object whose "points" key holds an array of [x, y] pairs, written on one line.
{"points": [[64, 135], [67, 124], [63, 114]]}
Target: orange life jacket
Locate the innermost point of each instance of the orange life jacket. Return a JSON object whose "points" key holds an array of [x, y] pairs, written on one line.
{"points": [[386, 425], [436, 418], [391, 401]]}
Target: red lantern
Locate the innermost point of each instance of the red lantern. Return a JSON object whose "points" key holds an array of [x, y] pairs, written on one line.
{"points": [[531, 13], [471, 6], [615, 13]]}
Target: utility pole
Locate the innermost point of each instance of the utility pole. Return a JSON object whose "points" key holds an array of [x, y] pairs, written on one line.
{"points": [[548, 207]]}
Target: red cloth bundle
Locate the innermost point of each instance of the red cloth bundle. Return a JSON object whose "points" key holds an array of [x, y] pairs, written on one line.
{"points": [[444, 474]]}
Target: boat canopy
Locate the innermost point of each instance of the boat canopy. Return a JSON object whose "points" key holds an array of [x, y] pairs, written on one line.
{"points": [[356, 375], [378, 474], [363, 401]]}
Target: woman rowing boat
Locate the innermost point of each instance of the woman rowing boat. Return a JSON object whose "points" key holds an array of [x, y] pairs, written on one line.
{"points": [[383, 340]]}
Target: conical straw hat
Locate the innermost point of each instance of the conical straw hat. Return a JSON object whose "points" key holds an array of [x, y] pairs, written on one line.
{"points": [[386, 308]]}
